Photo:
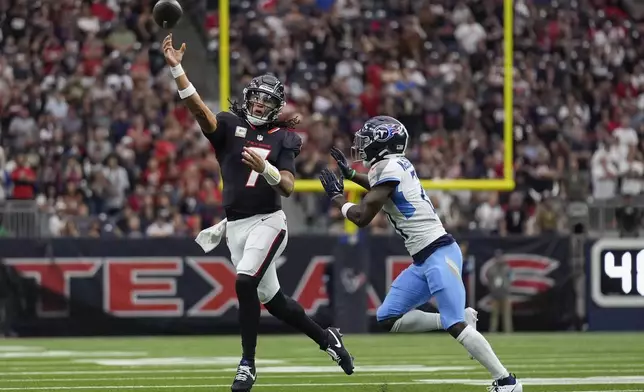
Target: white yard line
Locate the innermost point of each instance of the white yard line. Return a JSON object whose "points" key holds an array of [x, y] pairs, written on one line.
{"points": [[332, 369], [19, 348], [506, 357], [593, 380], [533, 370], [482, 373], [555, 367], [438, 359], [204, 386], [472, 368], [200, 386]]}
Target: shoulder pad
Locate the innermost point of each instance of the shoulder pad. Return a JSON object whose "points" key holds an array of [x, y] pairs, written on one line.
{"points": [[226, 119], [292, 141], [385, 171]]}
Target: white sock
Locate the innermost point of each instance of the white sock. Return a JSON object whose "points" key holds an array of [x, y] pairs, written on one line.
{"points": [[417, 321], [481, 350]]}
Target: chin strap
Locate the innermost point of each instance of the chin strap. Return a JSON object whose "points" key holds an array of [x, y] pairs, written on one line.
{"points": [[257, 123]]}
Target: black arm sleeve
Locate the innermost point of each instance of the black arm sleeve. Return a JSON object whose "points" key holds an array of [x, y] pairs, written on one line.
{"points": [[291, 147]]}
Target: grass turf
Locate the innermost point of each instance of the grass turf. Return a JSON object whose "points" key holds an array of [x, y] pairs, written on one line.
{"points": [[385, 363]]}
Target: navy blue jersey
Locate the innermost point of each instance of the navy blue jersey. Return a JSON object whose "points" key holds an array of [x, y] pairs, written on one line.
{"points": [[246, 192]]}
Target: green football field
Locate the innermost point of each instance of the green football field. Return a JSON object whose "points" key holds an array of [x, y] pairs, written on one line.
{"points": [[384, 363]]}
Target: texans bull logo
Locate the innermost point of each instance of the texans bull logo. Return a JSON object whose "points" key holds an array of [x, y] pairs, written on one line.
{"points": [[529, 277], [352, 280]]}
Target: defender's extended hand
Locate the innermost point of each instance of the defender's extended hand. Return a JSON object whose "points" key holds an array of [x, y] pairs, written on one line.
{"points": [[253, 160], [343, 163], [332, 185], [172, 56]]}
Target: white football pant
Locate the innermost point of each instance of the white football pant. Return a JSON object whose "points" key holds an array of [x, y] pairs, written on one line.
{"points": [[255, 243]]}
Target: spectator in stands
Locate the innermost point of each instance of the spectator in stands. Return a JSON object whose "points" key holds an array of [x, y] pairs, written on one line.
{"points": [[631, 173], [489, 214], [604, 169], [547, 217], [499, 282], [117, 185], [161, 226], [576, 183], [23, 178], [629, 218], [515, 218], [58, 221]]}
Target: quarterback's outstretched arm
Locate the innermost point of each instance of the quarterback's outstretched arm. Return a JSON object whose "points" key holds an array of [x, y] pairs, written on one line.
{"points": [[362, 214], [205, 117]]}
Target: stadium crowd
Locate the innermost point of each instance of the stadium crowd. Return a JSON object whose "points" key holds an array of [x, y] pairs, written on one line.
{"points": [[92, 130]]}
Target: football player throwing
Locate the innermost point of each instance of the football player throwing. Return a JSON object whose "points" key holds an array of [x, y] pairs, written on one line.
{"points": [[256, 153]]}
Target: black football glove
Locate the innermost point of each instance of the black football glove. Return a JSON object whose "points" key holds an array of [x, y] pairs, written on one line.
{"points": [[333, 186], [343, 164]]}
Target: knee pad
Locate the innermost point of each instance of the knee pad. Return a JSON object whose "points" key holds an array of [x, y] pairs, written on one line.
{"points": [[245, 284], [388, 323]]}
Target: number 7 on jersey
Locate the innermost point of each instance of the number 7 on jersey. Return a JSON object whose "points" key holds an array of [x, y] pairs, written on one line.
{"points": [[253, 176]]}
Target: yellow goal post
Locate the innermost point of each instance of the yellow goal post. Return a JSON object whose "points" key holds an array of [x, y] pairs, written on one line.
{"points": [[354, 191]]}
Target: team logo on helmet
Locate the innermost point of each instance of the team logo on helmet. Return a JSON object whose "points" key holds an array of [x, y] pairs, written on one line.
{"points": [[386, 131], [529, 278]]}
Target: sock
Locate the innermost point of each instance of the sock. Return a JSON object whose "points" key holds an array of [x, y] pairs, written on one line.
{"points": [[289, 311], [249, 313], [417, 321], [481, 350]]}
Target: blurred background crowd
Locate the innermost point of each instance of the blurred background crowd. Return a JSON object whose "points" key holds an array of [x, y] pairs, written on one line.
{"points": [[92, 130]]}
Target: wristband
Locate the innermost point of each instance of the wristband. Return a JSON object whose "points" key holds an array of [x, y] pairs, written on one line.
{"points": [[188, 91], [352, 174], [177, 71], [345, 208], [271, 174]]}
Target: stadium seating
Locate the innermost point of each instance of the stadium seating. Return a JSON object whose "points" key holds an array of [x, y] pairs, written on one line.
{"points": [[92, 131]]}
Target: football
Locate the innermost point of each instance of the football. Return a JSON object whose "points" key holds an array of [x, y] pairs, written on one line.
{"points": [[167, 13]]}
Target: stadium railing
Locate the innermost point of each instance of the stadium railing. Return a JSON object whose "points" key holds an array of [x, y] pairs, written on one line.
{"points": [[21, 219], [602, 219]]}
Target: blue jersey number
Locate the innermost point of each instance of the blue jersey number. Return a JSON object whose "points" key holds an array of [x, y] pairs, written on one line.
{"points": [[424, 196]]}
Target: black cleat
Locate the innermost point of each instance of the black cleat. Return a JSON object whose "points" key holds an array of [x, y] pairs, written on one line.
{"points": [[245, 377], [337, 351]]}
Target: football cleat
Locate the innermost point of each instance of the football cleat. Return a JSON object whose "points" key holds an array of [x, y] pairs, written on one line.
{"points": [[337, 351], [471, 319], [245, 377], [507, 384]]}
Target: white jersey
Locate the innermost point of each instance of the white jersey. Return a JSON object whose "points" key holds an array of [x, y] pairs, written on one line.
{"points": [[409, 210]]}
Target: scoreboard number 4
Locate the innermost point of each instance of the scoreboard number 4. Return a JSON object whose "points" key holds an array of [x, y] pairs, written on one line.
{"points": [[625, 271], [617, 273], [254, 176]]}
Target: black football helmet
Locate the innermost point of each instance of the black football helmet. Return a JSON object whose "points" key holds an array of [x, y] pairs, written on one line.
{"points": [[268, 93], [379, 136]]}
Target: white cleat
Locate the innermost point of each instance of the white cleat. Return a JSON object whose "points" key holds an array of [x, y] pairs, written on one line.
{"points": [[471, 319], [508, 384]]}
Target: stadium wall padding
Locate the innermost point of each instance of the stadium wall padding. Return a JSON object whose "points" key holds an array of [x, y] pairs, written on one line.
{"points": [[79, 287]]}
